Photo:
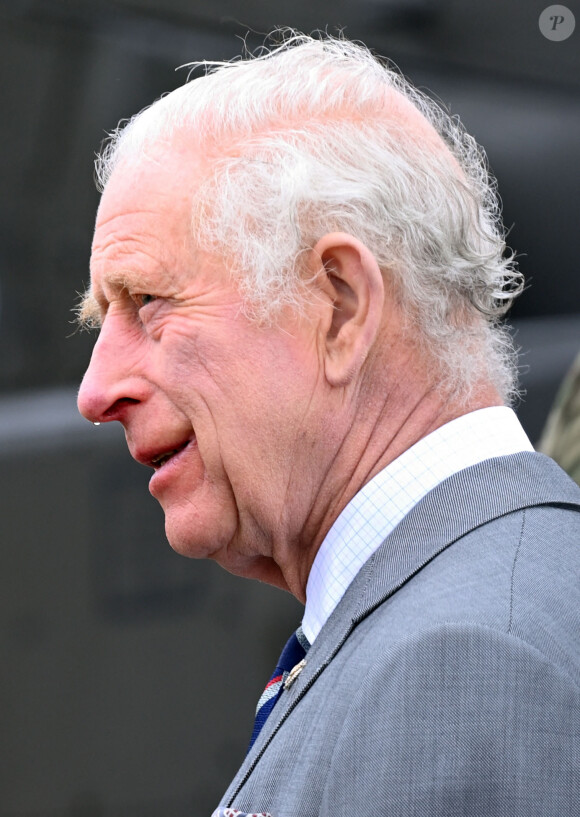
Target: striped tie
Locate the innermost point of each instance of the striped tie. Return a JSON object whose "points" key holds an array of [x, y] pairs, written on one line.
{"points": [[291, 660]]}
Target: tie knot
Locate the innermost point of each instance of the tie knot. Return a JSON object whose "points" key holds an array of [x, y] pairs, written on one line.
{"points": [[296, 648]]}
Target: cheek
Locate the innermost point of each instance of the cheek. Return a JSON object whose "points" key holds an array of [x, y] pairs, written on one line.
{"points": [[248, 389], [215, 366], [200, 386], [182, 365]]}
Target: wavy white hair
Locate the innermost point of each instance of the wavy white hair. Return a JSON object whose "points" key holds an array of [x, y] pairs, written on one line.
{"points": [[303, 140]]}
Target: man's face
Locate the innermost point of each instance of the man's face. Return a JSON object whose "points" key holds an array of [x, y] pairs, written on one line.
{"points": [[227, 413]]}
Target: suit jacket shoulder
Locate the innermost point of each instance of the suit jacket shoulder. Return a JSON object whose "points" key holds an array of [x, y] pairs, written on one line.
{"points": [[447, 681]]}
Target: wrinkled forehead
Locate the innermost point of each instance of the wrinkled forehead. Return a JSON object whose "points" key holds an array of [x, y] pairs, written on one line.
{"points": [[143, 233], [144, 217], [165, 176]]}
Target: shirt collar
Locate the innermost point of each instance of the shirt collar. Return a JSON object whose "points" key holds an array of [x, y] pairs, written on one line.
{"points": [[380, 505]]}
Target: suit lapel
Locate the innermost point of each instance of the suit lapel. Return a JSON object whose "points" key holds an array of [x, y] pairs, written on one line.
{"points": [[457, 506]]}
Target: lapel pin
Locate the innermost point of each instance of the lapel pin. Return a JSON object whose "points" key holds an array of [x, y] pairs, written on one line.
{"points": [[294, 673]]}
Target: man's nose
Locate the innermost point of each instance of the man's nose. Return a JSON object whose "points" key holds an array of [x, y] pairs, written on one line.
{"points": [[111, 385]]}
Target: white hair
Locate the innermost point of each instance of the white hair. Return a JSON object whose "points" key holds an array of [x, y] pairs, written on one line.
{"points": [[302, 140]]}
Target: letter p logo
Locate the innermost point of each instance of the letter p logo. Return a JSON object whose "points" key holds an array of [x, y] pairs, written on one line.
{"points": [[556, 23]]}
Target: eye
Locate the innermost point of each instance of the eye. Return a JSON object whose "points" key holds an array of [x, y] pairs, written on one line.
{"points": [[143, 299], [143, 311]]}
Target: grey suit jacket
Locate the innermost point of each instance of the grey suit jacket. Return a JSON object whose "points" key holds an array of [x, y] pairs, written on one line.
{"points": [[447, 681]]}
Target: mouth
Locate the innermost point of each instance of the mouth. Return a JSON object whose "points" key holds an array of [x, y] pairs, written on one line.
{"points": [[158, 459]]}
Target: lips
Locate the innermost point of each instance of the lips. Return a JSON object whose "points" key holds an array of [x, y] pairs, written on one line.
{"points": [[160, 460], [157, 458]]}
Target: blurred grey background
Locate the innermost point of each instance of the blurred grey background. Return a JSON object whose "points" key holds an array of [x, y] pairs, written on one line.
{"points": [[129, 674]]}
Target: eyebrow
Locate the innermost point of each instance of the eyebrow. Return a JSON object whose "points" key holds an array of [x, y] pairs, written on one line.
{"points": [[89, 314], [90, 310]]}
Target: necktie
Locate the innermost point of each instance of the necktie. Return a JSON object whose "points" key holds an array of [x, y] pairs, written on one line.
{"points": [[292, 657]]}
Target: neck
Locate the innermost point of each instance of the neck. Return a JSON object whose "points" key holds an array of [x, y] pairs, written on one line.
{"points": [[381, 428]]}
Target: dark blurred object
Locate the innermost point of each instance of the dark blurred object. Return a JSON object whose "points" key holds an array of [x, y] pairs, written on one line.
{"points": [[561, 437], [547, 346]]}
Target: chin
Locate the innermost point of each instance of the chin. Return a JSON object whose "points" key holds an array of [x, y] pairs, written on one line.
{"points": [[196, 537], [182, 542], [221, 548]]}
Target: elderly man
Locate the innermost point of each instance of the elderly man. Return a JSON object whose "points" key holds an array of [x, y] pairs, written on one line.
{"points": [[298, 271]]}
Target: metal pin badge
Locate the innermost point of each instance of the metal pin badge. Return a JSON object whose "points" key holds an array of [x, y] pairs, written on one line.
{"points": [[294, 673]]}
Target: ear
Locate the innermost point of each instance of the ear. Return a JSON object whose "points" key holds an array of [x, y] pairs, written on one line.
{"points": [[351, 278]]}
